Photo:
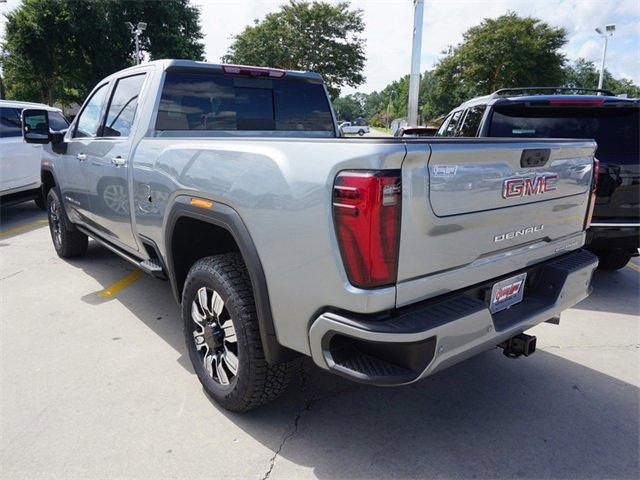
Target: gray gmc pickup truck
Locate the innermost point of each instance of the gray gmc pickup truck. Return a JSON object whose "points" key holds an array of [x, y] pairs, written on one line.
{"points": [[383, 259]]}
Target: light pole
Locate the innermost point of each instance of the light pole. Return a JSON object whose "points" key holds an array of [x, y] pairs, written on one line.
{"points": [[136, 31], [414, 79], [609, 29]]}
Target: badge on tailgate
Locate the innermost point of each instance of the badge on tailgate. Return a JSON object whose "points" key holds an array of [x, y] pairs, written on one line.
{"points": [[507, 293]]}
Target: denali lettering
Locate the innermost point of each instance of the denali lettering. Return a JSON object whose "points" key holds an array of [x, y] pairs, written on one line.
{"points": [[526, 186], [517, 233]]}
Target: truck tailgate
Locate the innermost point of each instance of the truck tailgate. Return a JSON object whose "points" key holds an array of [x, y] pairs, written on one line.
{"points": [[476, 201]]}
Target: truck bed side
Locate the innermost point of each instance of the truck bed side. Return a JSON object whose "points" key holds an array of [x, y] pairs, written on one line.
{"points": [[282, 190]]}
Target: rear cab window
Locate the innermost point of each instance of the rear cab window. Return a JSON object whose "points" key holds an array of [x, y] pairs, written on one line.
{"points": [[615, 128], [211, 101]]}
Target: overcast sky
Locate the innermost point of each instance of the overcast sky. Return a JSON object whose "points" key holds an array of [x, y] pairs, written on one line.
{"points": [[389, 25]]}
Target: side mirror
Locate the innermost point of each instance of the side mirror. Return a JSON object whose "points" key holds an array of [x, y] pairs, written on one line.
{"points": [[35, 126]]}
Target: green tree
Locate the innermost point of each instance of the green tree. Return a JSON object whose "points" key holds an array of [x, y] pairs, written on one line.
{"points": [[32, 51], [509, 51], [305, 35], [583, 73], [56, 51], [350, 107]]}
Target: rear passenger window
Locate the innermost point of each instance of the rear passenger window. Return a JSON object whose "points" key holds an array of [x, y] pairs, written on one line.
{"points": [[471, 122], [123, 105], [10, 125], [211, 101]]}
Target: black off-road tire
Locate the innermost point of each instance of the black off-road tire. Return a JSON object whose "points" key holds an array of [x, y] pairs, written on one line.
{"points": [[255, 382], [68, 241], [613, 259]]}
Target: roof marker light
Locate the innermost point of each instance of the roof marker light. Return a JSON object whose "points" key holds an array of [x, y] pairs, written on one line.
{"points": [[253, 71]]}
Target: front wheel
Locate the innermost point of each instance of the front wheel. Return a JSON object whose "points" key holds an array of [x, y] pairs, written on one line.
{"points": [[361, 132], [222, 335], [67, 240]]}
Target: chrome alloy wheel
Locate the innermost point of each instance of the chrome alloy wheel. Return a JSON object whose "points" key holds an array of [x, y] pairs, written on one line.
{"points": [[54, 221], [214, 336]]}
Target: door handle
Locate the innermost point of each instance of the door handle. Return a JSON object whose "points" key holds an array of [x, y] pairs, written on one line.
{"points": [[81, 156], [119, 161]]}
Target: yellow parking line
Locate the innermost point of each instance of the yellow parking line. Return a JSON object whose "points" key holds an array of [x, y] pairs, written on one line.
{"points": [[22, 228], [634, 266], [112, 290]]}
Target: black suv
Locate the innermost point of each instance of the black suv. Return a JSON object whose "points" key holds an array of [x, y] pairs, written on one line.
{"points": [[550, 112]]}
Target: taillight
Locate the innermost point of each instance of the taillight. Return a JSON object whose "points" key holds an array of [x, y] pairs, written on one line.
{"points": [[366, 211], [592, 195]]}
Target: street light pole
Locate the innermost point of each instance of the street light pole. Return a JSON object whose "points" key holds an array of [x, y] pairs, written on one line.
{"points": [[136, 31], [414, 79], [609, 29]]}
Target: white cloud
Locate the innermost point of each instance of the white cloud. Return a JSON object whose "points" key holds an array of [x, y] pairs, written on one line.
{"points": [[590, 50]]}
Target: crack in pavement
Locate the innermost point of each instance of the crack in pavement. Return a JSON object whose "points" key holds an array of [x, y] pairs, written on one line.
{"points": [[272, 461], [309, 402], [11, 275]]}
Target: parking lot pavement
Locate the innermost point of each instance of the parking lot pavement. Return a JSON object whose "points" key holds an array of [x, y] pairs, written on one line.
{"points": [[95, 382]]}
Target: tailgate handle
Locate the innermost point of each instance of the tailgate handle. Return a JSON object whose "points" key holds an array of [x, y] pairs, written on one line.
{"points": [[534, 157]]}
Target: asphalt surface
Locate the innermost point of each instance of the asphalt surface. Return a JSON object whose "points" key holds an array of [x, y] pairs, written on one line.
{"points": [[95, 382]]}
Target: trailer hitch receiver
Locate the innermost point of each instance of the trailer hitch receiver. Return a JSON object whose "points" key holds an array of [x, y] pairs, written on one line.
{"points": [[521, 344]]}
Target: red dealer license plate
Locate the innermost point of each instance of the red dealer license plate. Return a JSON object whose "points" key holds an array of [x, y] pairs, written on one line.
{"points": [[507, 293]]}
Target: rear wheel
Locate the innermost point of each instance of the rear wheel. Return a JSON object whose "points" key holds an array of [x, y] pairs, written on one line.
{"points": [[67, 240], [361, 132], [613, 259], [222, 335]]}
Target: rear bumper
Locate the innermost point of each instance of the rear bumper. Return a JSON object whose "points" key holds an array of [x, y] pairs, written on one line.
{"points": [[603, 235], [405, 345]]}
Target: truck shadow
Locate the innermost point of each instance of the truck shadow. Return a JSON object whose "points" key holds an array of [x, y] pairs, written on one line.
{"points": [[543, 417], [20, 218], [614, 292], [490, 417]]}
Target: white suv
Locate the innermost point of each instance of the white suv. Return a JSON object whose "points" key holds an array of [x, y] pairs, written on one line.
{"points": [[19, 161]]}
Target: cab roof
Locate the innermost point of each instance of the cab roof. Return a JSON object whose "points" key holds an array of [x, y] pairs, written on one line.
{"points": [[18, 104], [176, 64]]}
